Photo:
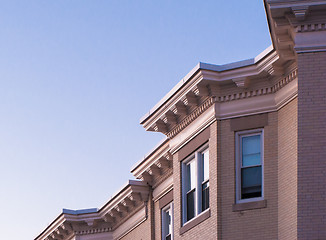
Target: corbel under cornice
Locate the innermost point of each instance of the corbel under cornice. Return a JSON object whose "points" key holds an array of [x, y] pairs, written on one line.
{"points": [[241, 82], [270, 68], [280, 94], [247, 102], [300, 12]]}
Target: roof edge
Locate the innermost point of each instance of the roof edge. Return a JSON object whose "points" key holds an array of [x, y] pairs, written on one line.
{"points": [[79, 211], [148, 154], [206, 66]]}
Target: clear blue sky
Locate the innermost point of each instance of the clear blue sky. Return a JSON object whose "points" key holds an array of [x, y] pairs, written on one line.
{"points": [[77, 75]]}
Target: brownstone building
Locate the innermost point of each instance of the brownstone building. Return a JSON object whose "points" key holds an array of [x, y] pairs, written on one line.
{"points": [[244, 155]]}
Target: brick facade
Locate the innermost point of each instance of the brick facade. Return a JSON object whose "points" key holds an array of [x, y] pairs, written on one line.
{"points": [[254, 223], [311, 146], [208, 228], [287, 171], [281, 94], [144, 230]]}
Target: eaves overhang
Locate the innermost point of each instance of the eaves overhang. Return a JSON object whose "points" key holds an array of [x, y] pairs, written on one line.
{"points": [[227, 68], [132, 193], [201, 85], [155, 149], [155, 163], [130, 198]]}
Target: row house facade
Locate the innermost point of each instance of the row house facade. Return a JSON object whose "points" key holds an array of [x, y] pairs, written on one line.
{"points": [[244, 152]]}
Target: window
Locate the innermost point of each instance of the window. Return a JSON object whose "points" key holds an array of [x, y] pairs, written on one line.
{"points": [[195, 184], [167, 222], [249, 161]]}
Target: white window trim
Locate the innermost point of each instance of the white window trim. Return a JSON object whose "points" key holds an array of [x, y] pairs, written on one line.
{"points": [[238, 154], [198, 201], [169, 206]]}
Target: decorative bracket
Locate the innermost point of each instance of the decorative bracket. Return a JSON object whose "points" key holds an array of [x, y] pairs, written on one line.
{"points": [[242, 82], [90, 222], [275, 70], [300, 12]]}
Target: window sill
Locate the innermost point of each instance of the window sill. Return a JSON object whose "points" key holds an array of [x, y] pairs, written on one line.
{"points": [[249, 205], [195, 221]]}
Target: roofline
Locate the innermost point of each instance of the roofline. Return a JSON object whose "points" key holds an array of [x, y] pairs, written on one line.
{"points": [[120, 191], [206, 66], [79, 211], [56, 219], [150, 153], [90, 210]]}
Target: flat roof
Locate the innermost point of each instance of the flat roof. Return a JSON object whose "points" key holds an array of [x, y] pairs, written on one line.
{"points": [[79, 211]]}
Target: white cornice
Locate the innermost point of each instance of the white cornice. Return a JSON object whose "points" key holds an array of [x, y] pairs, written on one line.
{"points": [[224, 109], [133, 192], [162, 151], [52, 227], [191, 117], [197, 91], [194, 129], [224, 72], [239, 105], [297, 26], [277, 4], [288, 21], [119, 208], [163, 188]]}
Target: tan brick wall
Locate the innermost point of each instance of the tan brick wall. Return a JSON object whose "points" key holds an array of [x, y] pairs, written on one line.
{"points": [[157, 217], [276, 221], [287, 171], [143, 231], [207, 229], [311, 145], [250, 224]]}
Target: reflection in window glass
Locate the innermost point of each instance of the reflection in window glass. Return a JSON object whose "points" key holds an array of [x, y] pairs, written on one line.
{"points": [[205, 196], [195, 184], [205, 180], [251, 180], [205, 159], [167, 222], [191, 175], [191, 204], [250, 165], [251, 151]]}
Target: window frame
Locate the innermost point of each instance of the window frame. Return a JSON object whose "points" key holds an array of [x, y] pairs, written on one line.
{"points": [[199, 178], [163, 220], [238, 147]]}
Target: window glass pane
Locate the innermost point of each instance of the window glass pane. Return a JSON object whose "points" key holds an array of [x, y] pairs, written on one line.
{"points": [[251, 180], [205, 164], [165, 223], [205, 196], [169, 221], [191, 204], [191, 176], [251, 151]]}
